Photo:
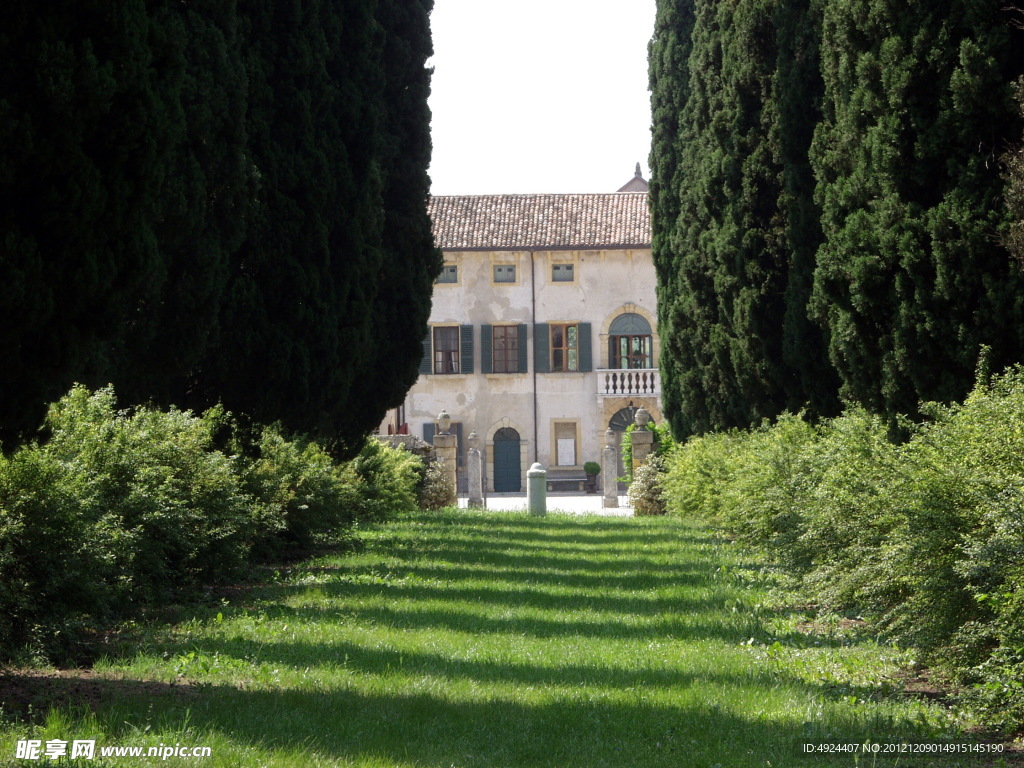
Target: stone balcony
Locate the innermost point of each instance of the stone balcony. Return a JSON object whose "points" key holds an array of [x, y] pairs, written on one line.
{"points": [[628, 381]]}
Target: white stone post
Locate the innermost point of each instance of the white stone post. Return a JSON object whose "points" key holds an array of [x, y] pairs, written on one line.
{"points": [[537, 490], [610, 469], [475, 471]]}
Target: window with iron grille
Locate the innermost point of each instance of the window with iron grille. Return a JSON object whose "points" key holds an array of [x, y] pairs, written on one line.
{"points": [[562, 273], [504, 273]]}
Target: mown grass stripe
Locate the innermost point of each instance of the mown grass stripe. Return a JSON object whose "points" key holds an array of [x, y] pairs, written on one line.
{"points": [[505, 641]]}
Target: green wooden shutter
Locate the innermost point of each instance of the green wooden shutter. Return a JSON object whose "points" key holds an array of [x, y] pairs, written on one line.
{"points": [[428, 431], [541, 348], [426, 362], [523, 359], [466, 346], [585, 348], [486, 340]]}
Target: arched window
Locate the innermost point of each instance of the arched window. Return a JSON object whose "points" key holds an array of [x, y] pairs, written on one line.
{"points": [[630, 342]]}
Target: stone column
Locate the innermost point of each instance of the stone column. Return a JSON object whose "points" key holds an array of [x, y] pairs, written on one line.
{"points": [[643, 438], [537, 490], [475, 470], [446, 448], [610, 469]]}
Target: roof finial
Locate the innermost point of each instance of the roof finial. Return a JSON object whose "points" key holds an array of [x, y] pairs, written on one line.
{"points": [[638, 174]]}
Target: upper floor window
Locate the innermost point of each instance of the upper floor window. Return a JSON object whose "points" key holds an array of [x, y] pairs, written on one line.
{"points": [[565, 345], [505, 349], [630, 342], [504, 273], [446, 349], [562, 273], [449, 274], [562, 347]]}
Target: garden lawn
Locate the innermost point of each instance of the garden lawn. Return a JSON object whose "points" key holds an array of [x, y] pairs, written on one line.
{"points": [[500, 640]]}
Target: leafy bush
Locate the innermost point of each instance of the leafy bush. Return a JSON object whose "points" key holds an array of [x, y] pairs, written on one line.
{"points": [[119, 510], [173, 507], [926, 536], [300, 495], [437, 491], [645, 492]]}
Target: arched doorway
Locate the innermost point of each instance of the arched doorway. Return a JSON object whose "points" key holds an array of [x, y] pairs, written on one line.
{"points": [[618, 423], [508, 469]]}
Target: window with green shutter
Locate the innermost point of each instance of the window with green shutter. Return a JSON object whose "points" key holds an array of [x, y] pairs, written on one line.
{"points": [[563, 347], [446, 350]]}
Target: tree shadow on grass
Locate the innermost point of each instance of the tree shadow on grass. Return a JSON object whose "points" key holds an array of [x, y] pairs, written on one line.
{"points": [[348, 727]]}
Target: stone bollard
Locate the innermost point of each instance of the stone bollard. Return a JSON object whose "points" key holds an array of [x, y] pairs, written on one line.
{"points": [[610, 469], [475, 470], [537, 490], [642, 437], [446, 448]]}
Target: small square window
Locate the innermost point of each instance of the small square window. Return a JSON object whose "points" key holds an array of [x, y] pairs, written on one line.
{"points": [[449, 274], [504, 273], [562, 273]]}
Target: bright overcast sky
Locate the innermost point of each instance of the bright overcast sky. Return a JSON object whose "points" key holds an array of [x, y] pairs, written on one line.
{"points": [[539, 95]]}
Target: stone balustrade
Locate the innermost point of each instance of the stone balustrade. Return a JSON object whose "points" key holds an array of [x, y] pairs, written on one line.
{"points": [[628, 381]]}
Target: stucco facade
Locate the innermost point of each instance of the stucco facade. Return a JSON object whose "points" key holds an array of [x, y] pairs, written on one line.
{"points": [[537, 346]]}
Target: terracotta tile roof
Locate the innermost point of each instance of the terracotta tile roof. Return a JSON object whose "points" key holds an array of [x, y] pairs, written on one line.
{"points": [[526, 222]]}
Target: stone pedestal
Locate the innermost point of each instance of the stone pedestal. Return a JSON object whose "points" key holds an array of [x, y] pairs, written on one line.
{"points": [[537, 490], [610, 469], [475, 471], [643, 439], [446, 450]]}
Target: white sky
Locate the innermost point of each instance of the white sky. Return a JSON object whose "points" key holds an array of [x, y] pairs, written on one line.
{"points": [[539, 95]]}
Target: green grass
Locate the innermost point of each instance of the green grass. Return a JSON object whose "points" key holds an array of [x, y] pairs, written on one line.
{"points": [[501, 640]]}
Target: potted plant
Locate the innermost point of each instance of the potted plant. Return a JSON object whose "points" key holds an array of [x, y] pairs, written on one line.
{"points": [[591, 469]]}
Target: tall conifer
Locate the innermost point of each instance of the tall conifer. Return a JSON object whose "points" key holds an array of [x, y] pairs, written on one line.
{"points": [[215, 201], [733, 223], [911, 279]]}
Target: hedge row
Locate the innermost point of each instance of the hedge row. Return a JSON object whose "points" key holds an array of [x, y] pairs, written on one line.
{"points": [[925, 537], [117, 511]]}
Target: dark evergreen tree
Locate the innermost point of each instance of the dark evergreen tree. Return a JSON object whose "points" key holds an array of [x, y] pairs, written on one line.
{"points": [[215, 202], [734, 230], [206, 199], [409, 262], [86, 140], [911, 278]]}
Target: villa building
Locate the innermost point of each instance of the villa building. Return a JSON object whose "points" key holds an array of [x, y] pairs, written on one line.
{"points": [[542, 329]]}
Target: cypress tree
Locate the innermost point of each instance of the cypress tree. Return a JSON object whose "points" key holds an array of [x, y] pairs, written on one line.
{"points": [[215, 202], [297, 320], [206, 199], [911, 280], [734, 230], [409, 262], [86, 139]]}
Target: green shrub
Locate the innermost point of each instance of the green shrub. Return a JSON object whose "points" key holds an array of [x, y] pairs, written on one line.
{"points": [[120, 510], [436, 490], [699, 471], [301, 496], [926, 537], [388, 479], [173, 508], [645, 492]]}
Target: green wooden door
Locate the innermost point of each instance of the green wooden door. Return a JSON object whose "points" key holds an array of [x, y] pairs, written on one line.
{"points": [[508, 470]]}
